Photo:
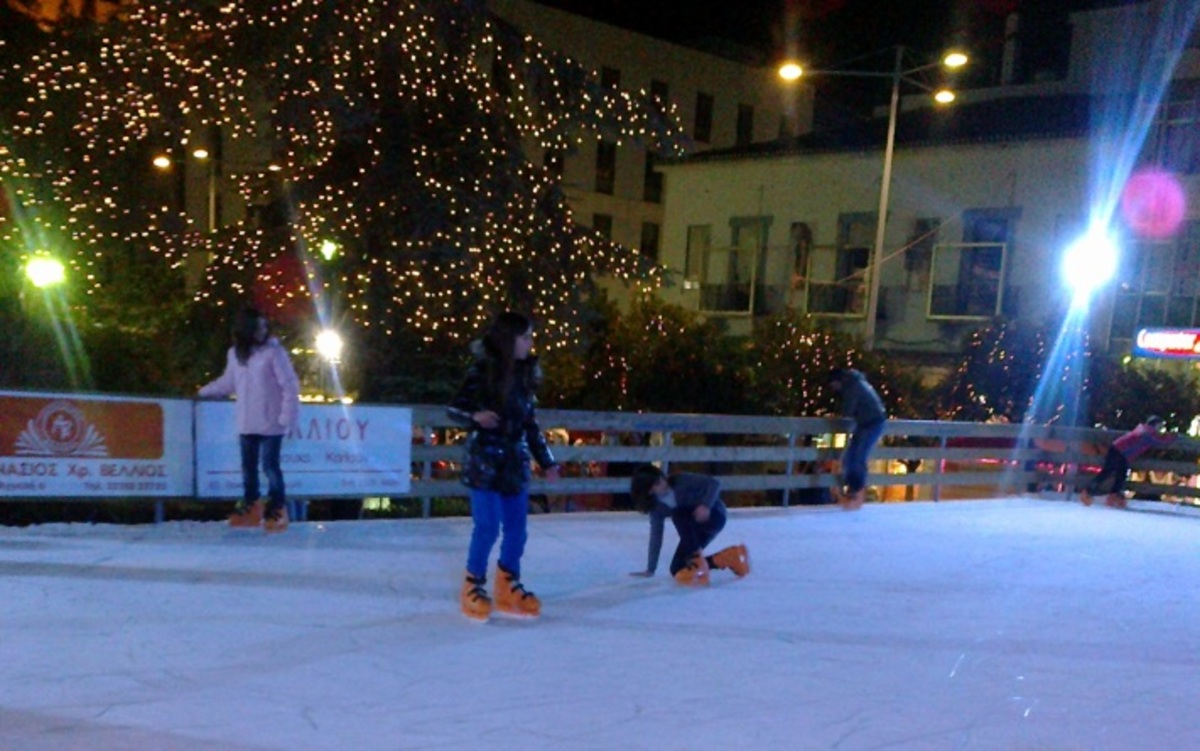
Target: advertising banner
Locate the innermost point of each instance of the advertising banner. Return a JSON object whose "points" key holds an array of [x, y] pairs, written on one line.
{"points": [[335, 451], [1169, 344], [89, 446]]}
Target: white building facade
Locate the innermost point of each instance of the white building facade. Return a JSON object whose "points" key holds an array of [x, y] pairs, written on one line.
{"points": [[616, 188], [984, 200]]}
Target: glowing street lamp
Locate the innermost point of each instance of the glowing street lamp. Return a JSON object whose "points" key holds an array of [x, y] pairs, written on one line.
{"points": [[1089, 263], [328, 249], [44, 271], [791, 71]]}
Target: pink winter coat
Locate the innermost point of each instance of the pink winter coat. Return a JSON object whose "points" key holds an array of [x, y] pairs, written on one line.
{"points": [[267, 390]]}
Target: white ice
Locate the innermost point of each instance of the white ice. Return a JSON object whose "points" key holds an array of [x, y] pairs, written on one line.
{"points": [[1015, 624]]}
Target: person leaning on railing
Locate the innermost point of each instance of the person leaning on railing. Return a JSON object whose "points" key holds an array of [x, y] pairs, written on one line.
{"points": [[861, 404], [1124, 450]]}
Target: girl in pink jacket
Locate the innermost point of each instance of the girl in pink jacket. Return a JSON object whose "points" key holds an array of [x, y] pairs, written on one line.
{"points": [[259, 373]]}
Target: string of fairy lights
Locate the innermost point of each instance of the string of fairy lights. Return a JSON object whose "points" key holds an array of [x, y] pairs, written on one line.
{"points": [[404, 130]]}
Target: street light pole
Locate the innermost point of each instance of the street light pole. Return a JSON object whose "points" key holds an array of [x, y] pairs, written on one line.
{"points": [[885, 185], [791, 71]]}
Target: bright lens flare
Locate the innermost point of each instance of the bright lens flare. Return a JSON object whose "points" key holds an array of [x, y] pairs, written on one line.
{"points": [[944, 96], [1090, 262], [162, 161], [329, 345], [45, 272]]}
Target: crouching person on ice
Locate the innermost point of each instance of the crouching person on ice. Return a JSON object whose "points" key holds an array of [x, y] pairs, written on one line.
{"points": [[496, 405], [693, 504]]}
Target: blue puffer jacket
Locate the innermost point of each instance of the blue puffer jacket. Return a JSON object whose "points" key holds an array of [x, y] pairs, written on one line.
{"points": [[498, 459]]}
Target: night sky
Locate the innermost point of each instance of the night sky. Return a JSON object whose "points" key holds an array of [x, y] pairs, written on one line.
{"points": [[835, 34]]}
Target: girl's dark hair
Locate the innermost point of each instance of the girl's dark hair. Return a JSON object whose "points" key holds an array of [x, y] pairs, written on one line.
{"points": [[644, 477], [1154, 421], [245, 327], [498, 345]]}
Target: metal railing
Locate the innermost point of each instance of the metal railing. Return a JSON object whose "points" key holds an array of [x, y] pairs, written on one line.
{"points": [[928, 459]]}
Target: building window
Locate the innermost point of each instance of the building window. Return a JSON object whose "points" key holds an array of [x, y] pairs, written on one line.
{"points": [[606, 167], [1043, 46], [967, 279], [837, 274], [660, 94], [603, 224], [653, 182], [649, 246], [919, 256], [702, 130], [699, 241], [730, 273], [797, 260], [610, 78], [745, 125], [1174, 139], [1158, 284]]}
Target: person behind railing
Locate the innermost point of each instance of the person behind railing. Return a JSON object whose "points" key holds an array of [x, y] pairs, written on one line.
{"points": [[496, 404], [693, 504], [861, 404], [1124, 450], [259, 373]]}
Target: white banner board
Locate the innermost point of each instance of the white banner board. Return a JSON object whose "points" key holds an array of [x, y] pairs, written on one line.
{"points": [[90, 446], [336, 451]]}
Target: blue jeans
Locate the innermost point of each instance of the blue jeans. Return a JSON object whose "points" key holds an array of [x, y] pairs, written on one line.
{"points": [[268, 446], [490, 511], [854, 459]]}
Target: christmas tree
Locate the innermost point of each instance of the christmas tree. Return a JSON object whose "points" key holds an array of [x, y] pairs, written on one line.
{"points": [[415, 140]]}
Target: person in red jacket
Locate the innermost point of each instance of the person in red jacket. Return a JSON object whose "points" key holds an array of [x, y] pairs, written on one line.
{"points": [[1125, 449]]}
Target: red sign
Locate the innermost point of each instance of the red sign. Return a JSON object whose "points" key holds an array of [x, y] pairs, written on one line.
{"points": [[1179, 344]]}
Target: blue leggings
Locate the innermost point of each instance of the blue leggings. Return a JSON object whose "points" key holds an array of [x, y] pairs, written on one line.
{"points": [[492, 511]]}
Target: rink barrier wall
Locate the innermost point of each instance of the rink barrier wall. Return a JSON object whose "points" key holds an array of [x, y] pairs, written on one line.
{"points": [[786, 458], [788, 455]]}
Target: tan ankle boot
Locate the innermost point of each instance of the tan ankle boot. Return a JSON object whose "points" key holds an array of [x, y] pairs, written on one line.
{"points": [[474, 599], [512, 598], [735, 558]]}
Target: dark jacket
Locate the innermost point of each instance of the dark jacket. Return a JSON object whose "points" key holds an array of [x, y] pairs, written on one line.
{"points": [[691, 490], [860, 402], [498, 458]]}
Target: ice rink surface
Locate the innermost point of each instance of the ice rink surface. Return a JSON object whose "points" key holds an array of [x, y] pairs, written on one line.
{"points": [[1013, 625]]}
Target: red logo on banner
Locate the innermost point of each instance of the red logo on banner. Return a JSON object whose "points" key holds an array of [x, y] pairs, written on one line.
{"points": [[38, 426]]}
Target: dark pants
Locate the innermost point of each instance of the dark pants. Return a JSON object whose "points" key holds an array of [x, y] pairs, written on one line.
{"points": [[694, 536], [854, 459], [268, 446], [1115, 466]]}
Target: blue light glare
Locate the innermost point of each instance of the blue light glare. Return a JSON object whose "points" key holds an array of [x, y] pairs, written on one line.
{"points": [[1089, 263]]}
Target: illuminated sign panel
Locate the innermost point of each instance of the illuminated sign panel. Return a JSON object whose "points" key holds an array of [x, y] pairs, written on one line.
{"points": [[1173, 344]]}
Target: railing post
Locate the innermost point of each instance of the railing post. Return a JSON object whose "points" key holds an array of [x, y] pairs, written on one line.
{"points": [[791, 466], [668, 441], [427, 471], [940, 469]]}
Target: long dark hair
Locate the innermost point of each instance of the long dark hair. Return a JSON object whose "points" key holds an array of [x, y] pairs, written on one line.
{"points": [[498, 345], [245, 330]]}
